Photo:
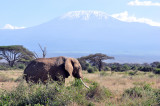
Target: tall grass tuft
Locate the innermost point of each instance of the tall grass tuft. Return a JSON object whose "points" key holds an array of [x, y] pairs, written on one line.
{"points": [[141, 96]]}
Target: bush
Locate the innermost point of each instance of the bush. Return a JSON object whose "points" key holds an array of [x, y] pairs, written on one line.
{"points": [[21, 66], [138, 91], [95, 69], [156, 71], [107, 68], [147, 69], [97, 93], [19, 79], [90, 70], [141, 96], [157, 93], [103, 73], [4, 67], [53, 94], [132, 73]]}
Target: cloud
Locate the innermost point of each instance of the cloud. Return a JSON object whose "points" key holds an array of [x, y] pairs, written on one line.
{"points": [[125, 17], [143, 3], [8, 26]]}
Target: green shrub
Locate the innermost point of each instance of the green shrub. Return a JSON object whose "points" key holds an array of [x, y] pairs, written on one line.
{"points": [[21, 66], [141, 96], [19, 79], [107, 68], [103, 73], [23, 95], [97, 93], [157, 71], [157, 93], [3, 68], [53, 94], [95, 68], [138, 91], [132, 72], [90, 70]]}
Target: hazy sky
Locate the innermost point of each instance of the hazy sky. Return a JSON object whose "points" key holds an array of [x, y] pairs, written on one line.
{"points": [[27, 13]]}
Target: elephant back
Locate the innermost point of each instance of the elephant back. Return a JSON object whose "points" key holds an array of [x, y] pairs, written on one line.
{"points": [[38, 69]]}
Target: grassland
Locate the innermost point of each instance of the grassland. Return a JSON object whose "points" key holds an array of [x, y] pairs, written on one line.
{"points": [[127, 89]]}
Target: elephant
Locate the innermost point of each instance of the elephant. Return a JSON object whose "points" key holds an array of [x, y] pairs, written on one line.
{"points": [[58, 68]]}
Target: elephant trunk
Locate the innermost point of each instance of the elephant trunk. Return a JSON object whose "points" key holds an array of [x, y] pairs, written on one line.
{"points": [[84, 83]]}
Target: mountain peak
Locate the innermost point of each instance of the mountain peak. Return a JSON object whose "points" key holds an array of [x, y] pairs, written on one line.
{"points": [[85, 15]]}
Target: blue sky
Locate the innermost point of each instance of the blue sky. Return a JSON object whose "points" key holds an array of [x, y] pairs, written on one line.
{"points": [[27, 13]]}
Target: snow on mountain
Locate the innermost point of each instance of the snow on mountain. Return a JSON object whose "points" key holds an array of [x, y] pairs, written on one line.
{"points": [[85, 15]]}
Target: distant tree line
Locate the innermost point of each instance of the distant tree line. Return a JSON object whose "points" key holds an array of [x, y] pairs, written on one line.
{"points": [[93, 63]]}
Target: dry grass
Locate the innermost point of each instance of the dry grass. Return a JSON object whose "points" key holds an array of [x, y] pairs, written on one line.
{"points": [[7, 79], [12, 73], [117, 82]]}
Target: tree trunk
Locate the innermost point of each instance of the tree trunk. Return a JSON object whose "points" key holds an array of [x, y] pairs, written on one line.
{"points": [[100, 65], [99, 69], [11, 63]]}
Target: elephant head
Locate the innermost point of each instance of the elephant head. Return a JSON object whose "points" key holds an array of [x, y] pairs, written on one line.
{"points": [[73, 67]]}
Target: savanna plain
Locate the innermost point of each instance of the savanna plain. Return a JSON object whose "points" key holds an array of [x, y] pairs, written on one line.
{"points": [[107, 88]]}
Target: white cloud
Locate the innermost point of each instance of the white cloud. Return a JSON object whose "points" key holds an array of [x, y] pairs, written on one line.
{"points": [[143, 3], [125, 17], [8, 26]]}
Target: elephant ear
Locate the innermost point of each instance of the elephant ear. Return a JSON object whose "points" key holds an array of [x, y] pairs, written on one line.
{"points": [[69, 66]]}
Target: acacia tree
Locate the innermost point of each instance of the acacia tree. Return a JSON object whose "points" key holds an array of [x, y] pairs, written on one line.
{"points": [[97, 59], [15, 53]]}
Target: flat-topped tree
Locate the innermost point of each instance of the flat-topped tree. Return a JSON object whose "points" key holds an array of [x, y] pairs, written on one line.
{"points": [[97, 59], [15, 53]]}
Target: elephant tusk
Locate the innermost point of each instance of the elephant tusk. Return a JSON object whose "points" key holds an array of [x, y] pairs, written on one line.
{"points": [[84, 84]]}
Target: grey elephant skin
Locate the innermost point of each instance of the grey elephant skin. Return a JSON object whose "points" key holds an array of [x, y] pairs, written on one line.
{"points": [[58, 68]]}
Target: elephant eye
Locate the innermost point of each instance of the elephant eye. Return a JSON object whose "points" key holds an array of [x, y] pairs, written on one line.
{"points": [[78, 68]]}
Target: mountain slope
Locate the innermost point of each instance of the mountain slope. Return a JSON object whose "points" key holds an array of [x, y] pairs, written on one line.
{"points": [[87, 31]]}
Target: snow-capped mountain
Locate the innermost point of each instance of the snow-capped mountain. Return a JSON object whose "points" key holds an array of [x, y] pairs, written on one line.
{"points": [[87, 31], [85, 15]]}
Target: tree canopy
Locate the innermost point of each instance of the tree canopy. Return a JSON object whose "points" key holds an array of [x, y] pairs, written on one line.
{"points": [[96, 59], [15, 53]]}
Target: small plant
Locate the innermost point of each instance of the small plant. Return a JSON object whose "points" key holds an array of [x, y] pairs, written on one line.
{"points": [[19, 79], [139, 91], [141, 96], [98, 93], [95, 69], [132, 73], [21, 66], [90, 70], [151, 75], [107, 68], [3, 68], [103, 73], [157, 71]]}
